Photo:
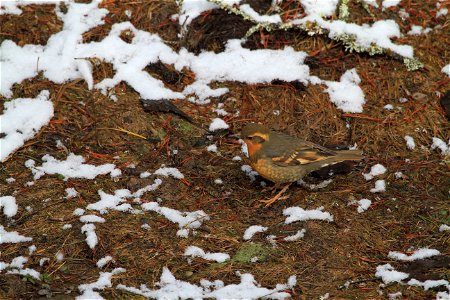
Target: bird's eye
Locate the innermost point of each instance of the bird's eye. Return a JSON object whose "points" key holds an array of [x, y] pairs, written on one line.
{"points": [[256, 139]]}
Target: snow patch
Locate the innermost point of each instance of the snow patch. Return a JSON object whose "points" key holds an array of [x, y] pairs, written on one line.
{"points": [[429, 284], [185, 220], [166, 172], [91, 236], [92, 219], [248, 288], [410, 142], [441, 145], [111, 202], [103, 281], [296, 213], [22, 118], [380, 186], [295, 237], [249, 172], [218, 124], [252, 230], [212, 148], [72, 167], [12, 236], [346, 94], [71, 193], [388, 274], [418, 254], [446, 70], [444, 227], [194, 251], [322, 8], [103, 261], [10, 208], [363, 205], [375, 170], [390, 3]]}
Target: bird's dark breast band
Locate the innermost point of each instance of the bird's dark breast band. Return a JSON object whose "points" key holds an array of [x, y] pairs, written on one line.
{"points": [[277, 174]]}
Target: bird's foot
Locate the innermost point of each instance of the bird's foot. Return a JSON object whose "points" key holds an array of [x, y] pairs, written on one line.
{"points": [[277, 197]]}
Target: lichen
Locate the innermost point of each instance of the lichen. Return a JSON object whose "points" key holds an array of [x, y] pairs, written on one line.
{"points": [[312, 28], [344, 13], [351, 45], [412, 64]]}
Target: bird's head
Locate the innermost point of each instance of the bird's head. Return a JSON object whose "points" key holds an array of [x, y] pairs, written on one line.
{"points": [[255, 135]]}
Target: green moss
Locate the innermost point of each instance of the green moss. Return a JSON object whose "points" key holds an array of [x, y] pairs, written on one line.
{"points": [[244, 255], [249, 251], [186, 127], [60, 176]]}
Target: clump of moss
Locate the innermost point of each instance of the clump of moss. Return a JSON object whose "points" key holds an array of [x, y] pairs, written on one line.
{"points": [[249, 251]]}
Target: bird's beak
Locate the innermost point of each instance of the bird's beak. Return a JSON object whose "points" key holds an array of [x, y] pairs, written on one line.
{"points": [[235, 136]]}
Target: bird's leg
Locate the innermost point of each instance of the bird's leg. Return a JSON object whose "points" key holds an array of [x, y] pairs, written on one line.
{"points": [[276, 197], [272, 189]]}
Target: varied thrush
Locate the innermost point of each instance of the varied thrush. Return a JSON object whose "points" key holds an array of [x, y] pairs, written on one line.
{"points": [[282, 158]]}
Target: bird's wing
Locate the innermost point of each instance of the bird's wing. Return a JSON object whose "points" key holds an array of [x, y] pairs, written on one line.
{"points": [[302, 153]]}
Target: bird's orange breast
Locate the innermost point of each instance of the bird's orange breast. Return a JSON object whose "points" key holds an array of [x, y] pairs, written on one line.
{"points": [[252, 148]]}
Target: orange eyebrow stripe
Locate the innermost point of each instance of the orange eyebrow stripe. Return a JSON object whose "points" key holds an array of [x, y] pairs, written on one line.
{"points": [[262, 135]]}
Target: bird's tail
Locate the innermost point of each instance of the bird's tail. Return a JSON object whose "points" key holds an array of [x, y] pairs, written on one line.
{"points": [[349, 155], [343, 155]]}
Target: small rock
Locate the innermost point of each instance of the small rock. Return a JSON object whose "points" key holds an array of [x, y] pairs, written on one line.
{"points": [[43, 292]]}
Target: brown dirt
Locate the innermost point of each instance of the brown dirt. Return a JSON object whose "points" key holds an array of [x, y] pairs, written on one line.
{"points": [[349, 249]]}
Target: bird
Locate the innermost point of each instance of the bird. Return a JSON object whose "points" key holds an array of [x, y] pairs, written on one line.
{"points": [[284, 159]]}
